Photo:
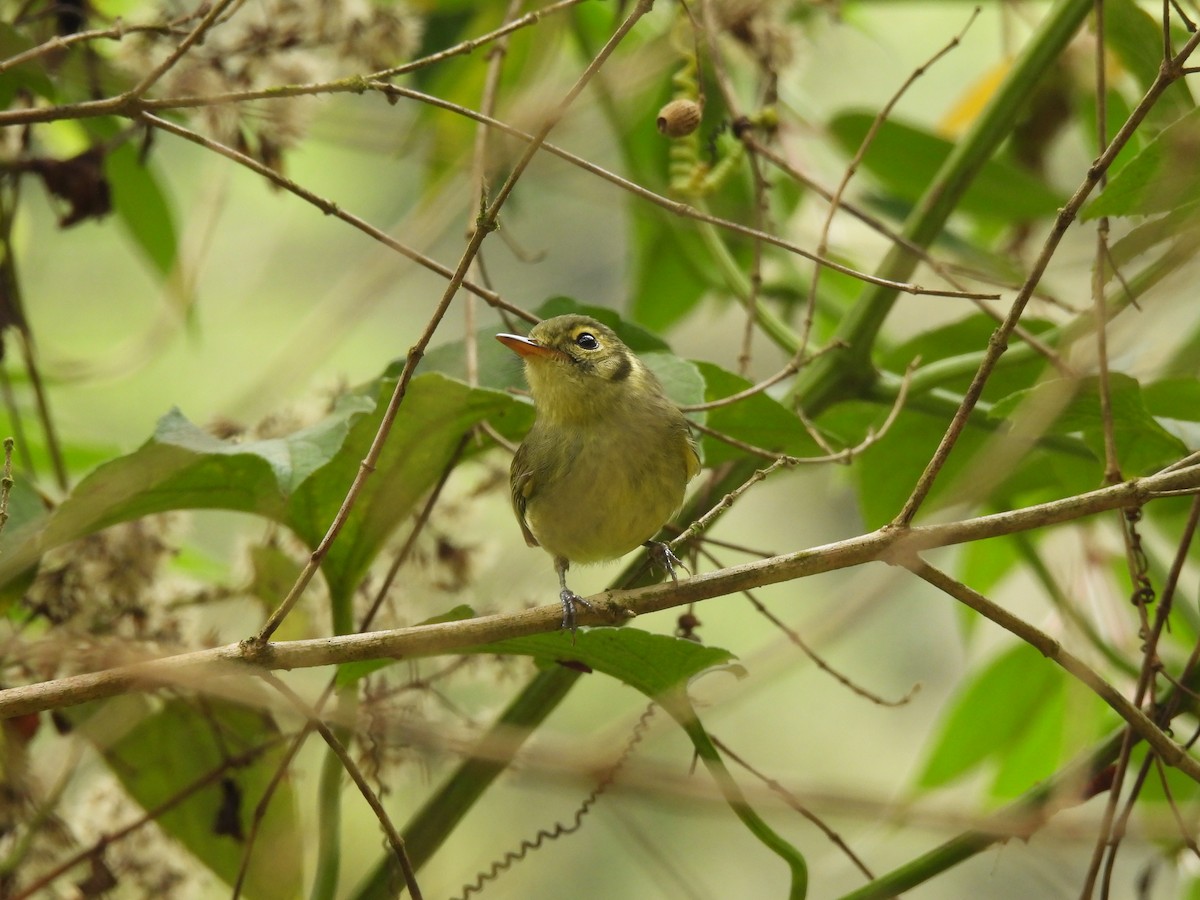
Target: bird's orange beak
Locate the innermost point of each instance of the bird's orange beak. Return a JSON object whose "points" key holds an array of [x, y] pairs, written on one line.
{"points": [[526, 348]]}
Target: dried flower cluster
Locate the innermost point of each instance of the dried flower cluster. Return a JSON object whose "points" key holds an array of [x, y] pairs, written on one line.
{"points": [[270, 44]]}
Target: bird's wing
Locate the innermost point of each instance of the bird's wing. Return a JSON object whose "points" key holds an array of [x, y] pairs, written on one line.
{"points": [[691, 456], [521, 481]]}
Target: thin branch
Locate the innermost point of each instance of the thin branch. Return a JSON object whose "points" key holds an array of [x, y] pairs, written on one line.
{"points": [[356, 775], [1035, 343], [59, 43], [487, 223], [209, 665], [791, 800], [677, 207], [329, 208], [195, 36], [1170, 752], [791, 368], [998, 343], [852, 168]]}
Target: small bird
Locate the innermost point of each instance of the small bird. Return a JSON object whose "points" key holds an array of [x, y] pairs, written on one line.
{"points": [[608, 457]]}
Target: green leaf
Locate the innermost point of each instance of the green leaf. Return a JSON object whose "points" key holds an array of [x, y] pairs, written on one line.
{"points": [[184, 467], [905, 158], [759, 420], [1136, 38], [966, 340], [30, 76], [435, 415], [299, 480], [654, 664], [680, 378], [164, 752], [984, 564], [1179, 228], [1035, 753], [991, 713], [660, 667], [1174, 398], [672, 269], [886, 471], [1143, 445], [142, 205], [1162, 178]]}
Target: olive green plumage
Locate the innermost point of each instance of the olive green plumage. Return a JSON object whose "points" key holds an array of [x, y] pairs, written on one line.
{"points": [[608, 458]]}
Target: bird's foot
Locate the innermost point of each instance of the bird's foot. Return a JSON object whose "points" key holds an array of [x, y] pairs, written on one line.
{"points": [[661, 554], [569, 601]]}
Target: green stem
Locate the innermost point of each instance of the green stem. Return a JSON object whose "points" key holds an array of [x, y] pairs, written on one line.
{"points": [[681, 709], [329, 822], [834, 376], [1020, 819], [737, 282]]}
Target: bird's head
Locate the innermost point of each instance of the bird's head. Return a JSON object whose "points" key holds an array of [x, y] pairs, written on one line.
{"points": [[574, 364]]}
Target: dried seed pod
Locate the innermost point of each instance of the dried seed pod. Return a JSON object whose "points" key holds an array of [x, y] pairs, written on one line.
{"points": [[679, 118]]}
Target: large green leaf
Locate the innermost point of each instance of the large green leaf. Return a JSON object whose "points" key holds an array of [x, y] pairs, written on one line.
{"points": [[1137, 39], [299, 480], [31, 76], [1162, 178], [142, 206], [654, 664], [1142, 443], [165, 751], [886, 471], [1179, 229], [906, 158], [1174, 398], [437, 412], [759, 420], [991, 713]]}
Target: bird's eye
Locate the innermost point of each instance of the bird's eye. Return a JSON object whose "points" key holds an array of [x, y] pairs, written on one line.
{"points": [[587, 341]]}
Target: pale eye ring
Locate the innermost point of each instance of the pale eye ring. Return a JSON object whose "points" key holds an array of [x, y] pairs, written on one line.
{"points": [[587, 341]]}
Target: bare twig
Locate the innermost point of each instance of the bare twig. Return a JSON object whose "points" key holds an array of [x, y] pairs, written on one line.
{"points": [[487, 222], [202, 666], [356, 775], [999, 341], [1169, 751], [329, 208], [791, 800], [852, 167]]}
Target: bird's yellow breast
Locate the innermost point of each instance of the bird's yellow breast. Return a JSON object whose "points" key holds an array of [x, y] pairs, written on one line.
{"points": [[596, 490]]}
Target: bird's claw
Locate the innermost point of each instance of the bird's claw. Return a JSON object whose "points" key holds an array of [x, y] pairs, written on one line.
{"points": [[569, 600], [662, 554]]}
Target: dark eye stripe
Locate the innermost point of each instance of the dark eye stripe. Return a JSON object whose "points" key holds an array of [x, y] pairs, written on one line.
{"points": [[623, 369]]}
